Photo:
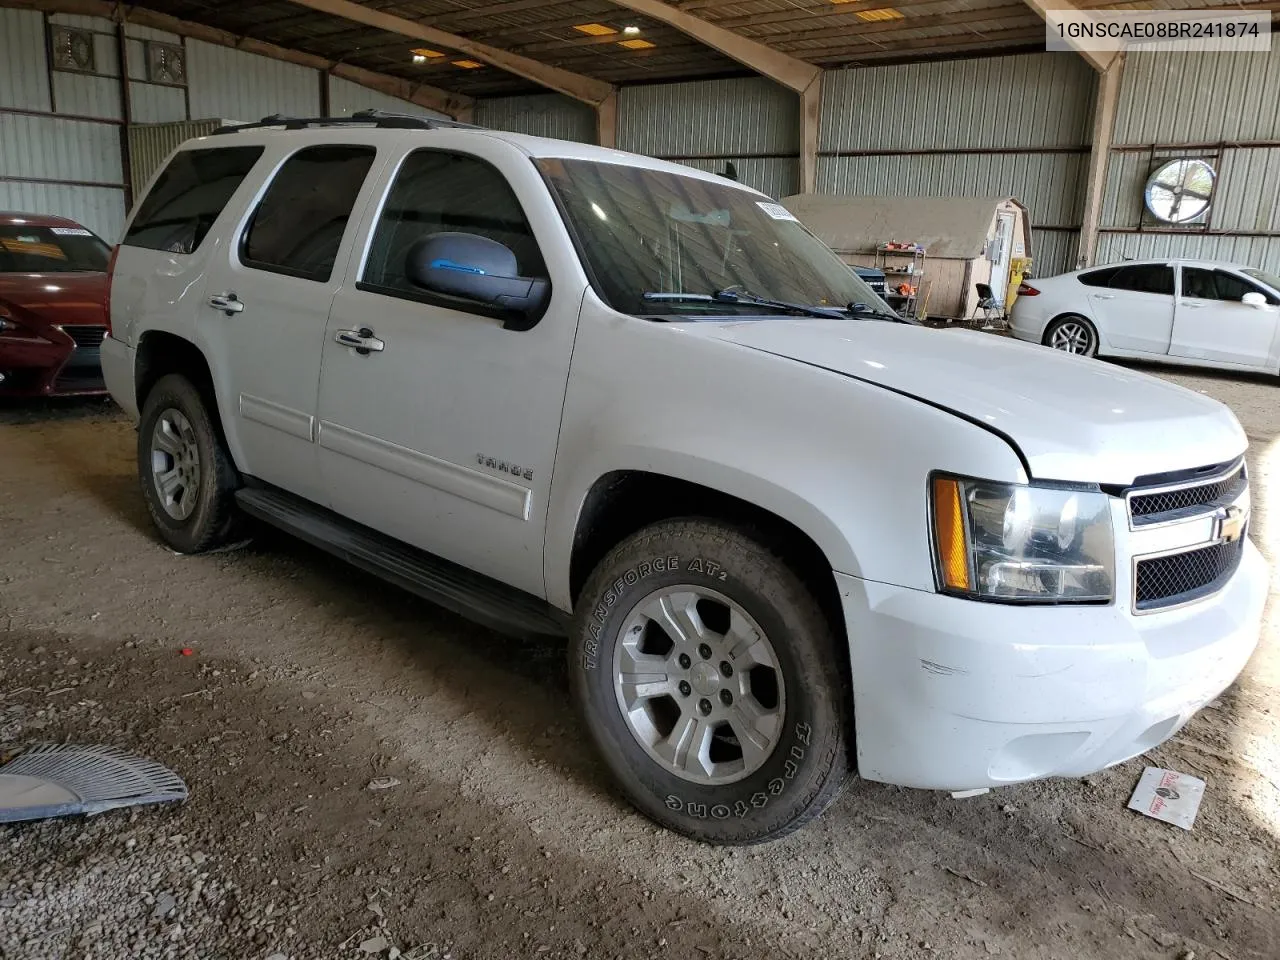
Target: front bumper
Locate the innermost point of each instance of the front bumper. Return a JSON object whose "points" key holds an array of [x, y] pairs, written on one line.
{"points": [[955, 694], [50, 365]]}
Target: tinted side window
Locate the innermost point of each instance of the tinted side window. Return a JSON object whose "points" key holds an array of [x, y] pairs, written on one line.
{"points": [[1231, 287], [1098, 278], [1144, 278], [188, 197], [1217, 285], [299, 224], [1198, 284], [437, 192]]}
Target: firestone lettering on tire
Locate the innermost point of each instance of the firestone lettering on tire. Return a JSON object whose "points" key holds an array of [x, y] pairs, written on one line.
{"points": [[760, 799]]}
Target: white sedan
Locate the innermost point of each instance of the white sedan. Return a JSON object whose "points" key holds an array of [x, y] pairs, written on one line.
{"points": [[1193, 312]]}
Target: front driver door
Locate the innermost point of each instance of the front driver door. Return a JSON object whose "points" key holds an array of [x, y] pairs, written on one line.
{"points": [[1213, 324], [1133, 306], [446, 436]]}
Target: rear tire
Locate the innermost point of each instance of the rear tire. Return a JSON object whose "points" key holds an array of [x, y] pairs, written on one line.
{"points": [[709, 679], [1072, 334], [187, 477]]}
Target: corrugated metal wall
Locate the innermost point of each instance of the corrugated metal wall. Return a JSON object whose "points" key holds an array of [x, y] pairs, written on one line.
{"points": [[151, 102], [346, 98], [751, 121], [1000, 126], [1032, 100], [151, 143], [90, 95], [1199, 96], [243, 86], [541, 115], [51, 159], [1225, 107], [24, 78]]}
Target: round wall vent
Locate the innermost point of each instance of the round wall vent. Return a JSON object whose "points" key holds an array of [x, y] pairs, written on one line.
{"points": [[1179, 190]]}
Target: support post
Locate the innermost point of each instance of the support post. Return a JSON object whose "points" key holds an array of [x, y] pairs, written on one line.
{"points": [[1104, 122], [810, 119], [126, 115], [607, 121]]}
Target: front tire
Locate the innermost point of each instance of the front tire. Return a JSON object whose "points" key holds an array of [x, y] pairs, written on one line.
{"points": [[709, 679], [187, 477], [1072, 334]]}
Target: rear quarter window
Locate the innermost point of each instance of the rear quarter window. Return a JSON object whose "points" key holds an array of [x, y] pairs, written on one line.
{"points": [[188, 196]]}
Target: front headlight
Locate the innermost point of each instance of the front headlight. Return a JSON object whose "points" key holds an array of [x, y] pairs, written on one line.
{"points": [[1008, 541]]}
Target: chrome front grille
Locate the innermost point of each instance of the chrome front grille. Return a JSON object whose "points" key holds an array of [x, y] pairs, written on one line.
{"points": [[1170, 503], [1179, 578], [1206, 509]]}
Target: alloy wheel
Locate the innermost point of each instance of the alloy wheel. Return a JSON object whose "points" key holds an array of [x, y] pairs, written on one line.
{"points": [[175, 463], [699, 684], [1072, 336]]}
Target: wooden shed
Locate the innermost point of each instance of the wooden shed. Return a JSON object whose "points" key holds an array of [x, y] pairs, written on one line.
{"points": [[966, 241]]}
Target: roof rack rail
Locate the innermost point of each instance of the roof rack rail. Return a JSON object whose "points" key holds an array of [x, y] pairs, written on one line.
{"points": [[378, 118]]}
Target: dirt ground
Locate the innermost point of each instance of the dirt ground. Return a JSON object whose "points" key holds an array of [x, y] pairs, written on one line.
{"points": [[502, 838]]}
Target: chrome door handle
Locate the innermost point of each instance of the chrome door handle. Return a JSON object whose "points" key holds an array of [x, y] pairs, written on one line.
{"points": [[362, 341], [1190, 306], [1104, 296], [228, 303]]}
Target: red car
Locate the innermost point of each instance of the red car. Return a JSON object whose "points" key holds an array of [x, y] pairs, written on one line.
{"points": [[53, 286]]}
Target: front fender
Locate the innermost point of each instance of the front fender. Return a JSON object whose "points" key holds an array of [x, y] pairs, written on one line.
{"points": [[845, 461]]}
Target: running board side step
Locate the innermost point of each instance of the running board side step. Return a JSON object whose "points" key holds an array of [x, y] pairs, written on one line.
{"points": [[468, 594]]}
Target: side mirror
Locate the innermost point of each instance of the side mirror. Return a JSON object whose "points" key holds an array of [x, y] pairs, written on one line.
{"points": [[1254, 299], [478, 269]]}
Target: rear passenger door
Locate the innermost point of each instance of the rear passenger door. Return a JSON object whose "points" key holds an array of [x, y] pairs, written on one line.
{"points": [[1133, 306], [266, 303]]}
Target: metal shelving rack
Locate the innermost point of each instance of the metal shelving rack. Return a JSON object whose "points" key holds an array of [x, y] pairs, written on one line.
{"points": [[902, 262]]}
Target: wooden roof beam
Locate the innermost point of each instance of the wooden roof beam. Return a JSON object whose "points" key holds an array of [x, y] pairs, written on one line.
{"points": [[1100, 60], [455, 105], [791, 72], [575, 85]]}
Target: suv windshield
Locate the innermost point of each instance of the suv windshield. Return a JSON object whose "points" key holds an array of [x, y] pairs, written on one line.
{"points": [[647, 236], [26, 249]]}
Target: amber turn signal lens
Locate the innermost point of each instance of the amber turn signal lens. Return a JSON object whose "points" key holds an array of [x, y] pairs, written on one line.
{"points": [[948, 526]]}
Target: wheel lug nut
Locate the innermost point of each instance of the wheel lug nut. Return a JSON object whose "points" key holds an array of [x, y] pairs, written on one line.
{"points": [[685, 689], [726, 697], [685, 662], [704, 652], [704, 706], [726, 669]]}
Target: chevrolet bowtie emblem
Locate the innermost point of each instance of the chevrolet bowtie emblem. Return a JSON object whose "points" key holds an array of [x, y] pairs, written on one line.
{"points": [[1229, 524]]}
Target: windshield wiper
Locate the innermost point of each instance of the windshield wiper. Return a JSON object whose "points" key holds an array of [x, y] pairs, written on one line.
{"points": [[730, 295], [863, 310]]}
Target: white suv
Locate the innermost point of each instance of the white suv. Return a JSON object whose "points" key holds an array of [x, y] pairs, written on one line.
{"points": [[562, 389]]}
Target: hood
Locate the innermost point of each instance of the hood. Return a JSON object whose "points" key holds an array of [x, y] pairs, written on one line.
{"points": [[46, 299], [1072, 418]]}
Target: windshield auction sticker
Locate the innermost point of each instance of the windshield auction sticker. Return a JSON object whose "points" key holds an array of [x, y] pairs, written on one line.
{"points": [[775, 210], [1114, 31]]}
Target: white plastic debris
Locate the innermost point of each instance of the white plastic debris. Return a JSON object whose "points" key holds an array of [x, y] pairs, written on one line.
{"points": [[62, 779], [1169, 796], [966, 794]]}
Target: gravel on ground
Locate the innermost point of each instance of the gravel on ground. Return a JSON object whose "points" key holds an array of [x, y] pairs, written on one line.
{"points": [[371, 776]]}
